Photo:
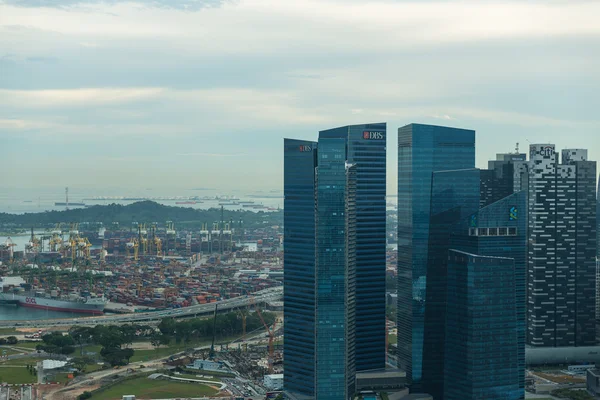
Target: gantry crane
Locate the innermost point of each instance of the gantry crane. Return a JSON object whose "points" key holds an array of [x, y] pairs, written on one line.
{"points": [[9, 245]]}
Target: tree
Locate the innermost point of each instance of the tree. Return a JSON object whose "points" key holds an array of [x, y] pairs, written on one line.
{"points": [[12, 340], [81, 335], [81, 363], [116, 356], [84, 396]]}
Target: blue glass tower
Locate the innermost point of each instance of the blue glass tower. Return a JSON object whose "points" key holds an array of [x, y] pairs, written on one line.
{"points": [[422, 150], [500, 230], [366, 150], [455, 195], [481, 330], [334, 274], [299, 265]]}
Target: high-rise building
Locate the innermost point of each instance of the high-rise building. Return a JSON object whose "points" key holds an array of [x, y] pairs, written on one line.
{"points": [[499, 230], [482, 329], [422, 150], [454, 197], [335, 272], [562, 247], [366, 149], [334, 260], [498, 181], [300, 162]]}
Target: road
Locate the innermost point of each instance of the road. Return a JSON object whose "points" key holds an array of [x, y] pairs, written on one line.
{"points": [[267, 295]]}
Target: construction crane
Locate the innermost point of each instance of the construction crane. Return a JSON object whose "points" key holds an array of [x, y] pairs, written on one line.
{"points": [[9, 245], [33, 246], [270, 334]]}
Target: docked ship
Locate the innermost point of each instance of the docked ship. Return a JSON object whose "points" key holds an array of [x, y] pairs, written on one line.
{"points": [[13, 291]]}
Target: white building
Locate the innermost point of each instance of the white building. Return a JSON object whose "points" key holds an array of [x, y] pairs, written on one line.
{"points": [[207, 365], [53, 364], [273, 382]]}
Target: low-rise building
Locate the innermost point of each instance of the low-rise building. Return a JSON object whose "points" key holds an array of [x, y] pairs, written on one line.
{"points": [[207, 365], [273, 382]]}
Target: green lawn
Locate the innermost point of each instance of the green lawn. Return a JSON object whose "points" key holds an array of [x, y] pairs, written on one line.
{"points": [[147, 355], [21, 361], [7, 331], [393, 339], [16, 375], [29, 345], [145, 388], [9, 352]]}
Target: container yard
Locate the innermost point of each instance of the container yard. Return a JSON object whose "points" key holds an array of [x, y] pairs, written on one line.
{"points": [[144, 266]]}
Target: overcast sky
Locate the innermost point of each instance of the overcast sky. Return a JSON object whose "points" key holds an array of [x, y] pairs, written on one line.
{"points": [[178, 94]]}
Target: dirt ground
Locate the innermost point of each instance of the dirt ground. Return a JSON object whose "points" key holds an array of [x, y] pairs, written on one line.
{"points": [[560, 378]]}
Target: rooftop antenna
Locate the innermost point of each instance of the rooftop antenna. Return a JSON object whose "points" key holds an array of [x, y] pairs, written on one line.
{"points": [[517, 148]]}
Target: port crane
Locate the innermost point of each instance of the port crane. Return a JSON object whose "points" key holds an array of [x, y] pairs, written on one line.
{"points": [[9, 245]]}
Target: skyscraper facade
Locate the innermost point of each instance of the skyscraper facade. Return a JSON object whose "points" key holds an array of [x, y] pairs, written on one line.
{"points": [[422, 150], [366, 150], [498, 181], [334, 229], [300, 162], [562, 247], [500, 230], [481, 329], [335, 277], [454, 197]]}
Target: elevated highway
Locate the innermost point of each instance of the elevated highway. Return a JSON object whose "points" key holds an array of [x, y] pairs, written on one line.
{"points": [[264, 296]]}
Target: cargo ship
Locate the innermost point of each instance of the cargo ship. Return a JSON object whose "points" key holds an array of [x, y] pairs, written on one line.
{"points": [[63, 204], [13, 292], [185, 202]]}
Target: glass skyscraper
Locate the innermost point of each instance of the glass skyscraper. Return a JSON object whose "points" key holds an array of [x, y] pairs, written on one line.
{"points": [[334, 260], [366, 149], [422, 150], [481, 329], [499, 230], [335, 275], [300, 161]]}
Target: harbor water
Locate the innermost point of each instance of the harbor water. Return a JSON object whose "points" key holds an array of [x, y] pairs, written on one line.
{"points": [[16, 313]]}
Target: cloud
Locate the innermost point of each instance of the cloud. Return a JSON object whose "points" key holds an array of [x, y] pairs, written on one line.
{"points": [[207, 155], [84, 97], [186, 5]]}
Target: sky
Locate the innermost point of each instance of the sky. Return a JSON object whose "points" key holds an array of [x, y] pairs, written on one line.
{"points": [[180, 94]]}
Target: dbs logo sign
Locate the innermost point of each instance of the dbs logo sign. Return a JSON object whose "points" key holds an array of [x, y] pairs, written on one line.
{"points": [[368, 135]]}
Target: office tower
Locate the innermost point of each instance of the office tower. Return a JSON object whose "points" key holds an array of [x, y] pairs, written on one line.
{"points": [[455, 196], [422, 150], [498, 181], [300, 161], [481, 331], [334, 226], [366, 149], [598, 257], [500, 230], [562, 248], [335, 275]]}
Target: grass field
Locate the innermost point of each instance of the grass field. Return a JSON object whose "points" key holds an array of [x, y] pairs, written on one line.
{"points": [[16, 374], [9, 352], [144, 388], [29, 345], [22, 361], [7, 331]]}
